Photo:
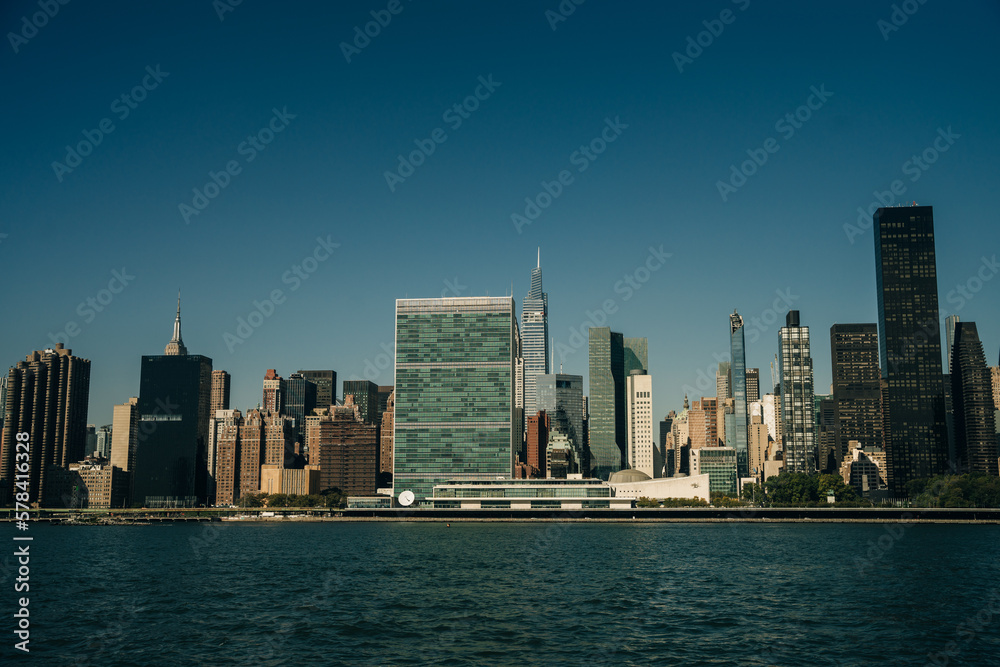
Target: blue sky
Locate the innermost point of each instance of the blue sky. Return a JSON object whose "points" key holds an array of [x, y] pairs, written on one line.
{"points": [[316, 196]]}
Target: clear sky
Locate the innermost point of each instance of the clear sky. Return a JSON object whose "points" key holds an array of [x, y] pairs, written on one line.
{"points": [[308, 117]]}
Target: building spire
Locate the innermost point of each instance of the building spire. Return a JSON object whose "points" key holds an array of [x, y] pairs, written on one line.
{"points": [[176, 345], [539, 257]]}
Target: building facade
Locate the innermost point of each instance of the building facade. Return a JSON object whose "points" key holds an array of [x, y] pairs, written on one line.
{"points": [[455, 413], [326, 386], [221, 381], [914, 429], [719, 463], [972, 392], [365, 394], [561, 397], [797, 403], [641, 453], [857, 396], [348, 452], [535, 338], [737, 347], [48, 395]]}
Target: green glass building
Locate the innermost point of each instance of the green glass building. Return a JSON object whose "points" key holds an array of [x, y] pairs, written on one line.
{"points": [[612, 358], [454, 413]]}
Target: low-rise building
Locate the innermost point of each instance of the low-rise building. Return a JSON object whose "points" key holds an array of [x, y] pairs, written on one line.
{"points": [[636, 484], [527, 494], [719, 463], [290, 481]]}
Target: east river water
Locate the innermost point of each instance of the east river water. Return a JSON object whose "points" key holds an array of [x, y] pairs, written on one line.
{"points": [[519, 593]]}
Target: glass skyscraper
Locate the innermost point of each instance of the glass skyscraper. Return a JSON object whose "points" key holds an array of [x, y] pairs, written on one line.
{"points": [[857, 393], [798, 409], [612, 358], [738, 389], [454, 411], [635, 356], [300, 400], [915, 433], [606, 402], [972, 392], [535, 338], [561, 396]]}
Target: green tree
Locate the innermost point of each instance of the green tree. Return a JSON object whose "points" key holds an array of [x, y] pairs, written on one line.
{"points": [[647, 502]]}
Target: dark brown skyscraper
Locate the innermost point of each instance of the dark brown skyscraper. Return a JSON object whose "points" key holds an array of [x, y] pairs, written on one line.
{"points": [[47, 396], [856, 394], [348, 452], [914, 428], [972, 392], [537, 441], [226, 437]]}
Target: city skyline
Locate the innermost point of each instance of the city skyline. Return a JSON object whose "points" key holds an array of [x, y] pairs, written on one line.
{"points": [[314, 206]]}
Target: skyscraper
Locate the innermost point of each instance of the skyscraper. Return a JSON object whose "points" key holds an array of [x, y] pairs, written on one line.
{"points": [[635, 356], [949, 332], [738, 388], [365, 394], [274, 392], [47, 396], [723, 379], [536, 442], [535, 337], [910, 345], [326, 386], [300, 400], [455, 415], [797, 403], [221, 381], [384, 391], [606, 399], [641, 453], [385, 441], [857, 396], [225, 439], [171, 459], [561, 396], [348, 452], [972, 392], [753, 385], [125, 434]]}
